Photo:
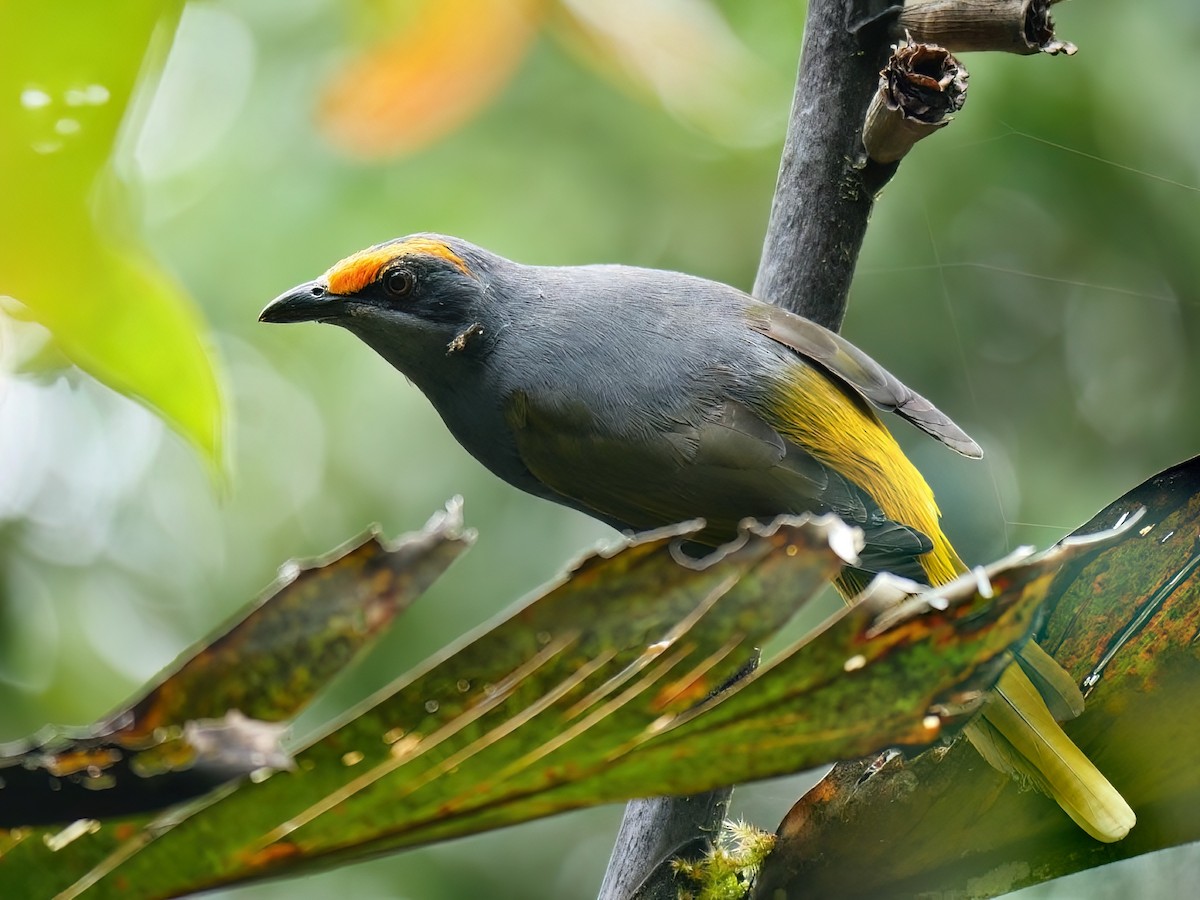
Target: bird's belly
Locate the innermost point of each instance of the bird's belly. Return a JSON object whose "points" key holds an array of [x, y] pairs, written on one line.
{"points": [[641, 484]]}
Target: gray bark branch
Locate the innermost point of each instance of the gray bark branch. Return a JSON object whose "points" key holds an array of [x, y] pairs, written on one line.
{"points": [[826, 187], [823, 198]]}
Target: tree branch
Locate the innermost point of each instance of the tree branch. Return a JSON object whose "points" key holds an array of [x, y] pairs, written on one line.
{"points": [[655, 831], [823, 198], [826, 187]]}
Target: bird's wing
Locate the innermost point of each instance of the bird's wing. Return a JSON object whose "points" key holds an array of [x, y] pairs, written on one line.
{"points": [[721, 462], [847, 363]]}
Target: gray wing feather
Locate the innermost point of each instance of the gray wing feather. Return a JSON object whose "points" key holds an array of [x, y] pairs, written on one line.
{"points": [[849, 364]]}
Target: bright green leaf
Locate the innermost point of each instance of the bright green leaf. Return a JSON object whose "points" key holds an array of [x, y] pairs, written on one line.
{"points": [[66, 254]]}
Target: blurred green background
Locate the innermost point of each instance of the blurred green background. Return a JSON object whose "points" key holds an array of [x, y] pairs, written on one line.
{"points": [[1033, 270]]}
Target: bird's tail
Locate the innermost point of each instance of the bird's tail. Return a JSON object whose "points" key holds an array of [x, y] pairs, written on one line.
{"points": [[1017, 732]]}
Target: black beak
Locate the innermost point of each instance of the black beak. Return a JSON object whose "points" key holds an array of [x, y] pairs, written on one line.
{"points": [[309, 302]]}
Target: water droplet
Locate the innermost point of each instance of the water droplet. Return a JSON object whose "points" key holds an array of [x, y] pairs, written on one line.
{"points": [[932, 722], [34, 98], [92, 95], [854, 663], [352, 758], [288, 571], [67, 126], [463, 685], [392, 735], [46, 147], [543, 637], [431, 706], [403, 747], [791, 550]]}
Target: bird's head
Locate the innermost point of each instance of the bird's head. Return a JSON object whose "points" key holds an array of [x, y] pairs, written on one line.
{"points": [[410, 298]]}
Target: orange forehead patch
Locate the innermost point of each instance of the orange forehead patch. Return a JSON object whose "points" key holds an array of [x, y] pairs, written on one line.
{"points": [[356, 271]]}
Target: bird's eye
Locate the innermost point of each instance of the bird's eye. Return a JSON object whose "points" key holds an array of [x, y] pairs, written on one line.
{"points": [[399, 282]]}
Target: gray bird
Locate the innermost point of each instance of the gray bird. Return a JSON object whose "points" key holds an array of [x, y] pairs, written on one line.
{"points": [[646, 397]]}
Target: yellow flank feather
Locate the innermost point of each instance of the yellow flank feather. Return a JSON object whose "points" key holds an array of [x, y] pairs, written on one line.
{"points": [[355, 272], [832, 424], [1015, 732]]}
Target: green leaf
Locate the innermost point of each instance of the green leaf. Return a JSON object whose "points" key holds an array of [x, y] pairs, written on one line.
{"points": [[66, 254], [317, 622], [212, 719], [606, 687], [1123, 619]]}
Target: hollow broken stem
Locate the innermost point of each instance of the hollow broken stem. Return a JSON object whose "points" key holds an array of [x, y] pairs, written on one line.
{"points": [[1011, 26], [920, 88]]}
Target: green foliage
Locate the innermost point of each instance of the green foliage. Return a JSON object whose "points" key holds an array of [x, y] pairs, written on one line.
{"points": [[73, 262], [729, 868], [1122, 619], [1032, 269], [608, 686]]}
